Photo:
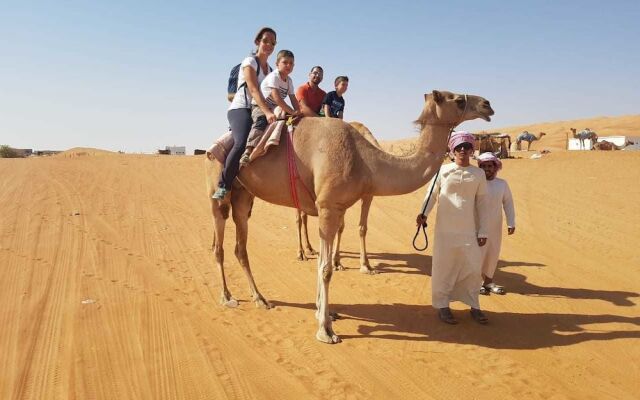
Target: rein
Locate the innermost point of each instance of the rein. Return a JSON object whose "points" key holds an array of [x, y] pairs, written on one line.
{"points": [[433, 184], [292, 167]]}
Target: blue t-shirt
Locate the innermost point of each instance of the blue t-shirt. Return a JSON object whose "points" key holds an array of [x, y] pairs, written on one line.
{"points": [[336, 104]]}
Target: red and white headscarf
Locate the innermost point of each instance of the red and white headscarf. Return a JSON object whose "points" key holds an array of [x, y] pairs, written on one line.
{"points": [[486, 157], [457, 138]]}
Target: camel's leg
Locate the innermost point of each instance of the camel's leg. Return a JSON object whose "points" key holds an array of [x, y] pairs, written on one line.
{"points": [[242, 201], [365, 267], [301, 223], [301, 255], [337, 265], [305, 231], [329, 222], [220, 214]]}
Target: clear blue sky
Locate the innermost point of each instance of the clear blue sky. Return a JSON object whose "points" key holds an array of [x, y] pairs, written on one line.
{"points": [[139, 75]]}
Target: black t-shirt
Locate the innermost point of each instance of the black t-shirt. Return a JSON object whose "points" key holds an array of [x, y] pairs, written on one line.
{"points": [[336, 104]]}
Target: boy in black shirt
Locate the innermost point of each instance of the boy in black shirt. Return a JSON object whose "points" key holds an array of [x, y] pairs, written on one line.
{"points": [[333, 103]]}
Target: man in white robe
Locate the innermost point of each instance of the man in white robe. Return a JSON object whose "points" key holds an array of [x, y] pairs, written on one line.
{"points": [[498, 198], [461, 230]]}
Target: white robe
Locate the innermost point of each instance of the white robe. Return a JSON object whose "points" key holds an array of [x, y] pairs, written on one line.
{"points": [[460, 193], [498, 198]]}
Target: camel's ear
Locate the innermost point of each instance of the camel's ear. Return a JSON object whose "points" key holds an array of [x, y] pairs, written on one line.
{"points": [[437, 97]]}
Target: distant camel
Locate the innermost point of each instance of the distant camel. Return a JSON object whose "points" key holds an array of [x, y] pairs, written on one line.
{"points": [[605, 145], [338, 167], [483, 143], [496, 143], [584, 135], [301, 222], [527, 137]]}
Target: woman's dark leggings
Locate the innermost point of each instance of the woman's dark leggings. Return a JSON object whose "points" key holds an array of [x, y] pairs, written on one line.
{"points": [[240, 122]]}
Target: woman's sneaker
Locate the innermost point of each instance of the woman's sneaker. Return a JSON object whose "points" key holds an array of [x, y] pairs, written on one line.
{"points": [[220, 193]]}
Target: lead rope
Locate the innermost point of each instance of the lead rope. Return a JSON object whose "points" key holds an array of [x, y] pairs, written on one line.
{"points": [[433, 184], [292, 167]]}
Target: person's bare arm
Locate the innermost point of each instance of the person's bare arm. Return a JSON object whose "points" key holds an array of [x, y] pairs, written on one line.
{"points": [[275, 95], [252, 84], [327, 111], [295, 104]]}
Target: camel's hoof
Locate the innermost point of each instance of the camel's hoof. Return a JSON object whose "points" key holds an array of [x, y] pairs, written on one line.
{"points": [[311, 252], [302, 256], [230, 303], [325, 337], [261, 302], [339, 267], [365, 269]]}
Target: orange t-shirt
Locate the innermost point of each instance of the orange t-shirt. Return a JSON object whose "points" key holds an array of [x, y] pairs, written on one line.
{"points": [[312, 98]]}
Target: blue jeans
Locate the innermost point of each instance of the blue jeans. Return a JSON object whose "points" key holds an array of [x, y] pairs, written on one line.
{"points": [[240, 122]]}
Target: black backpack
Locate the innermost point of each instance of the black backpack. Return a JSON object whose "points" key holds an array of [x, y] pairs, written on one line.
{"points": [[232, 86]]}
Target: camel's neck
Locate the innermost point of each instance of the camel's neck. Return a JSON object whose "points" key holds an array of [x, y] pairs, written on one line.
{"points": [[393, 175]]}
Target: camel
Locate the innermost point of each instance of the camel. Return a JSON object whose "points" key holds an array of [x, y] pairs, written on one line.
{"points": [[583, 135], [528, 137], [605, 145], [496, 143], [338, 167], [301, 222], [483, 143]]}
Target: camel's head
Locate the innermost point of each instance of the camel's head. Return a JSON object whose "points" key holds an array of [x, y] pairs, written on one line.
{"points": [[448, 108]]}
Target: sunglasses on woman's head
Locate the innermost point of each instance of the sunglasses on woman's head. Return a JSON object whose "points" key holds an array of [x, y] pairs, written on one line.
{"points": [[463, 147]]}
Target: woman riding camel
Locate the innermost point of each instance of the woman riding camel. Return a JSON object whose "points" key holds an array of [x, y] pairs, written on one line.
{"points": [[253, 70]]}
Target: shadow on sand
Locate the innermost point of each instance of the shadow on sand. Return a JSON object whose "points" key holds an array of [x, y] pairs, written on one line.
{"points": [[413, 263], [504, 331], [517, 283]]}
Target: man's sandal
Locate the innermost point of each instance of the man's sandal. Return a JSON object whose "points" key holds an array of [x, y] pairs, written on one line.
{"points": [[495, 289], [479, 316], [446, 316]]}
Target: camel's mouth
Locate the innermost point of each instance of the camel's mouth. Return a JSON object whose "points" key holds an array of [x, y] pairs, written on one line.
{"points": [[486, 113]]}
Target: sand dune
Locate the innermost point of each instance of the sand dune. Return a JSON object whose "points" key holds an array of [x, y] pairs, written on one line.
{"points": [[556, 132], [109, 291]]}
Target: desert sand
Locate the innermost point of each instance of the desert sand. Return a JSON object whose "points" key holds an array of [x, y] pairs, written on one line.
{"points": [[109, 289]]}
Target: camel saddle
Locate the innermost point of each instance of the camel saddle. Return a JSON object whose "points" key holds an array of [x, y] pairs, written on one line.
{"points": [[271, 137]]}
